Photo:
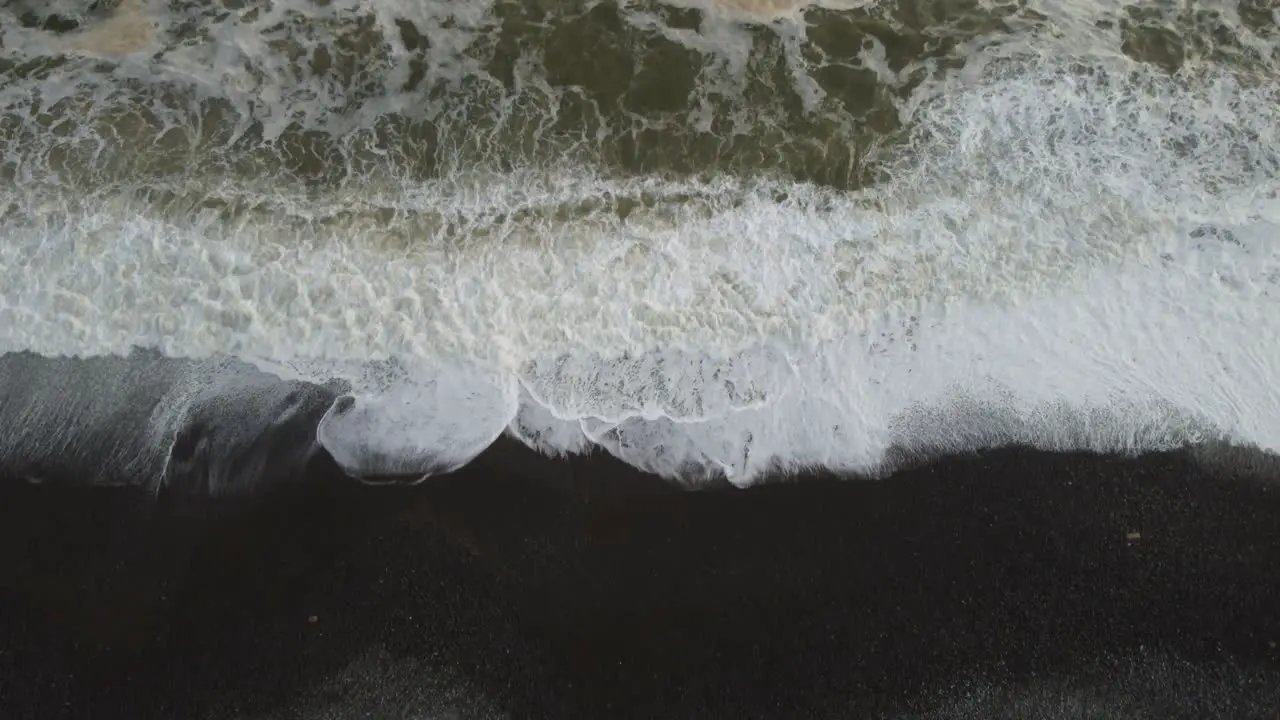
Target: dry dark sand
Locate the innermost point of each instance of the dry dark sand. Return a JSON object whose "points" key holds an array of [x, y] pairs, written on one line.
{"points": [[1011, 584]]}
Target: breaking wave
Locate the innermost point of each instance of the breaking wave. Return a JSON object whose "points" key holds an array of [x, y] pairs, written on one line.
{"points": [[721, 241]]}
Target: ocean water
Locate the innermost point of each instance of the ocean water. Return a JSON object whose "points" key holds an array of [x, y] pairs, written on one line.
{"points": [[720, 239]]}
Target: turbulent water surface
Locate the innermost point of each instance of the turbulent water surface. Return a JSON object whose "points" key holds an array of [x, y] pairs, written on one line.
{"points": [[716, 237]]}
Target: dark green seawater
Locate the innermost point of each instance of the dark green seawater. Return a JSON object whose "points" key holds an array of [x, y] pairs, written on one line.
{"points": [[326, 93]]}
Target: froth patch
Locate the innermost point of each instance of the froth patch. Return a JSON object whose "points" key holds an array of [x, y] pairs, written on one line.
{"points": [[129, 29]]}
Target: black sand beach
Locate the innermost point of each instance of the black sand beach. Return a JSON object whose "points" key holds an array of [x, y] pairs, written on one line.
{"points": [[1011, 584]]}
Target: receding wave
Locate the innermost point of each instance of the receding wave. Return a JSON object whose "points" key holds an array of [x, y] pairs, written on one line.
{"points": [[211, 428], [716, 239]]}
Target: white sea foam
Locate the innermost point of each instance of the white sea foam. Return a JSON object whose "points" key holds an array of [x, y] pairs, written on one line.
{"points": [[1071, 252]]}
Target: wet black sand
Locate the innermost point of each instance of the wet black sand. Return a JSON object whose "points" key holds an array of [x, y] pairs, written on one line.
{"points": [[1012, 584]]}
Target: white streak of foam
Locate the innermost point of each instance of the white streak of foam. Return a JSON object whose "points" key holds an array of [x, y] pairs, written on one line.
{"points": [[764, 11]]}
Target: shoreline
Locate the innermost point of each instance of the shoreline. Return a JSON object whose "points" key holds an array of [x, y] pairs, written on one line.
{"points": [[525, 586]]}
